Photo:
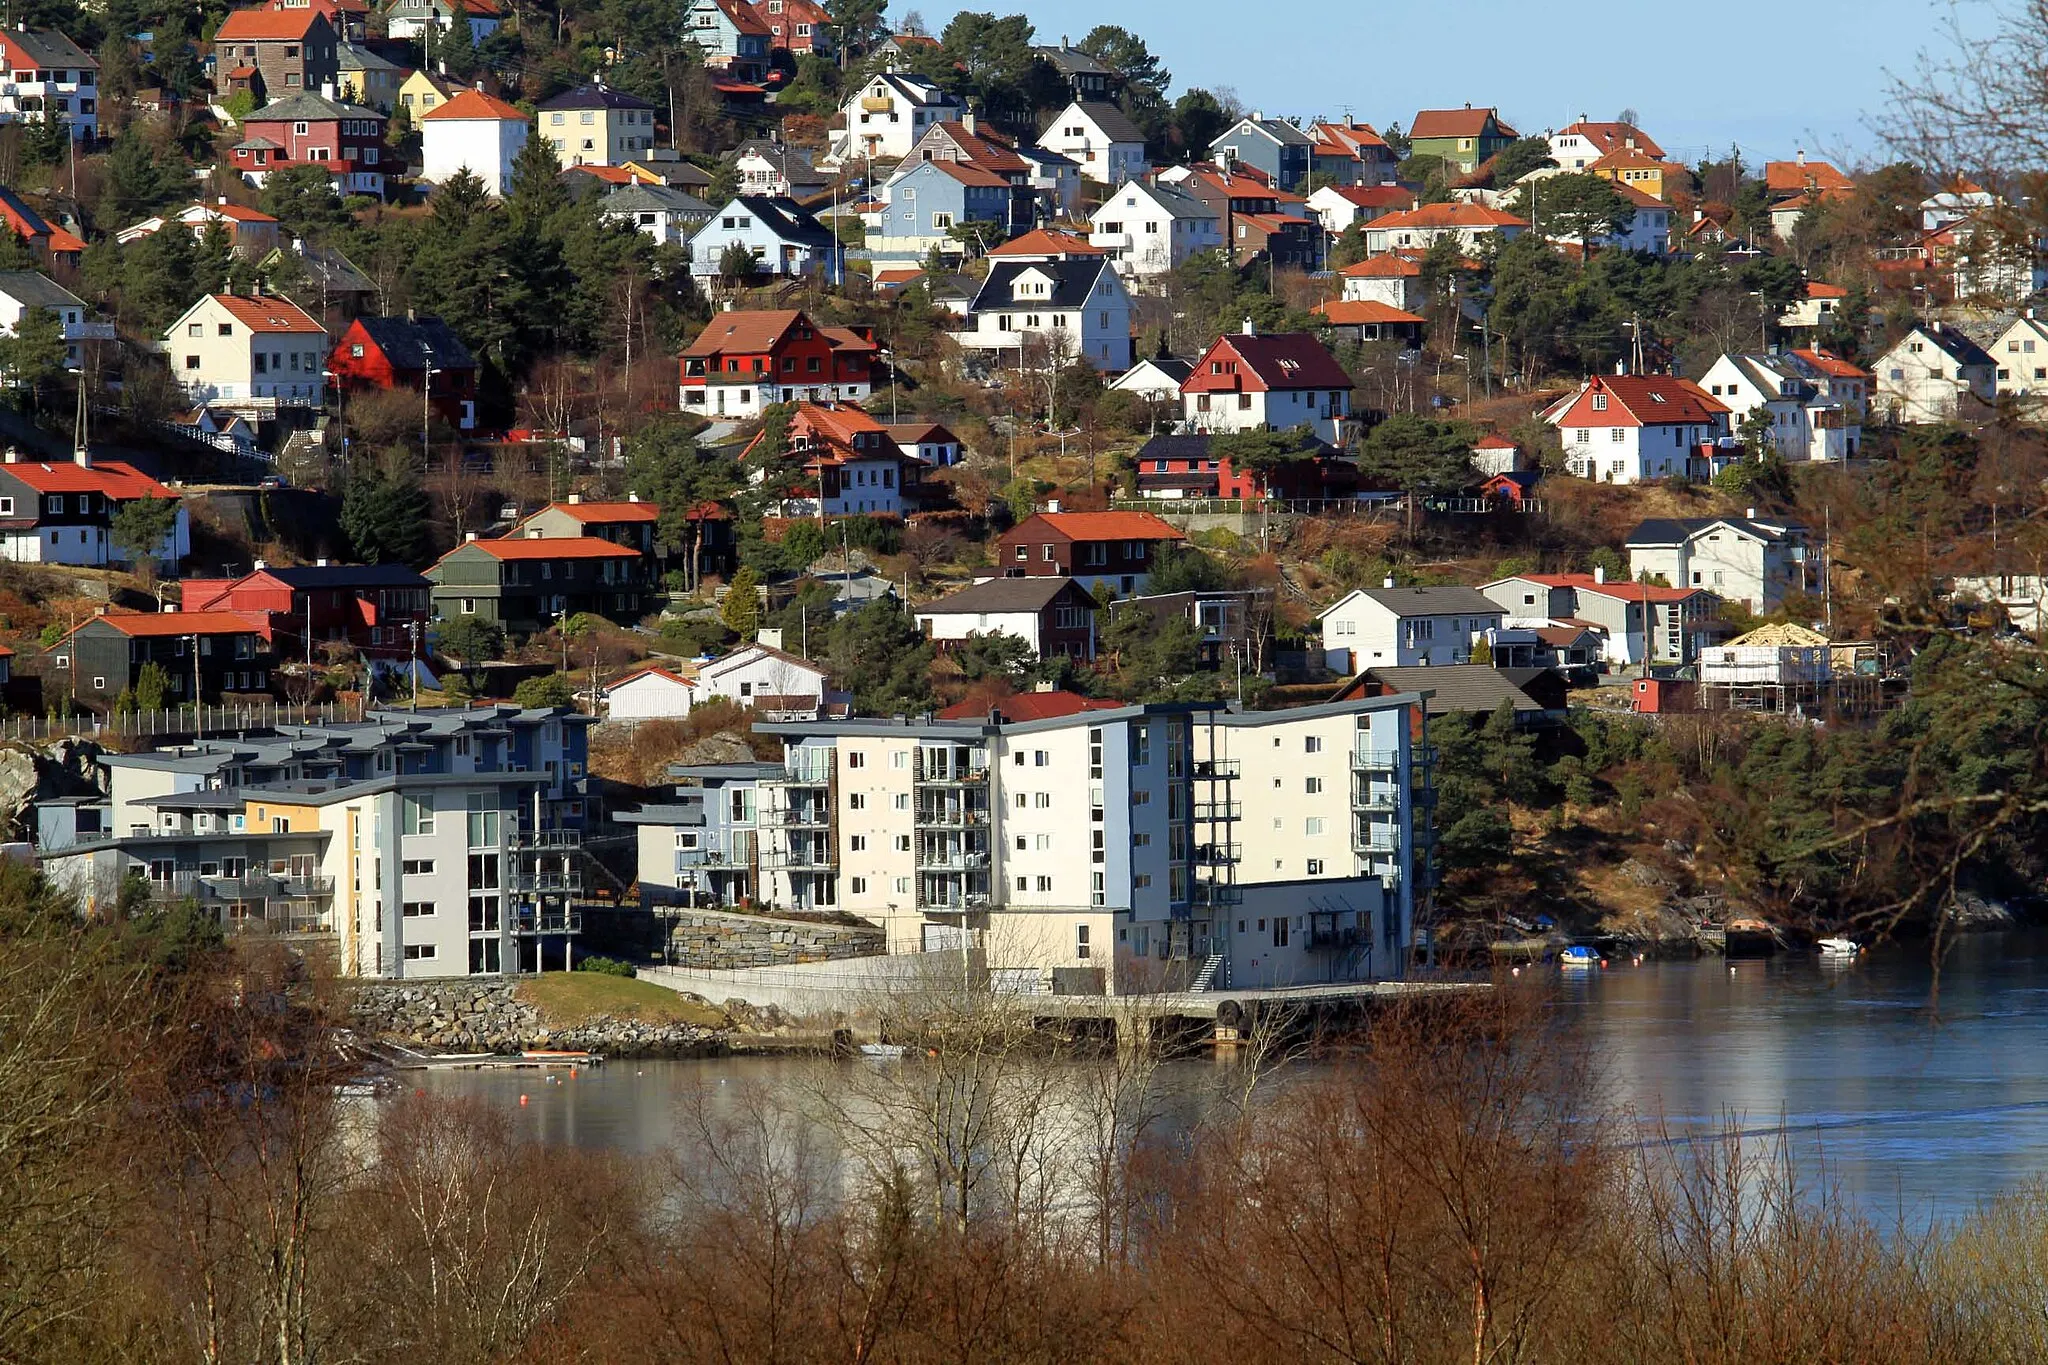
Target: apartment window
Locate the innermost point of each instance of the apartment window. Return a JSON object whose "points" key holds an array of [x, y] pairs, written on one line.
{"points": [[1315, 867], [1314, 786], [1045, 883], [856, 759], [1023, 883], [859, 886], [1315, 825], [903, 886], [901, 800], [903, 843], [482, 822], [1080, 940], [418, 867], [1042, 800], [1280, 931], [1312, 744], [419, 816], [1040, 758], [857, 843], [416, 909], [420, 952], [856, 802]]}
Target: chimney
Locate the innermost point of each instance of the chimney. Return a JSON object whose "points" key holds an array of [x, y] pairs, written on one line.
{"points": [[1621, 366], [222, 201], [319, 563], [1800, 156], [1249, 330], [575, 498], [100, 610], [1052, 506], [1258, 116], [468, 536], [1045, 685], [632, 497], [327, 90], [259, 567], [1387, 582], [1749, 512], [1065, 46], [1599, 573], [13, 455], [83, 457], [967, 118]]}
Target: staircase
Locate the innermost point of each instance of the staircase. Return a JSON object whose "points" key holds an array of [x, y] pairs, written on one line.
{"points": [[1205, 979]]}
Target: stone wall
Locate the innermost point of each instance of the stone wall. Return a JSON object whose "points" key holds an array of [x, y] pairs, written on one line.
{"points": [[488, 1016], [716, 940]]}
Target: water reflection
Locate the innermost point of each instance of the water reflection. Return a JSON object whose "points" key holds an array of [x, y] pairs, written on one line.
{"points": [[1912, 1110]]}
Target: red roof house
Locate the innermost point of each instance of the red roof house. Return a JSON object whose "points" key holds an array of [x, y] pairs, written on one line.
{"points": [[1274, 381], [1628, 428], [748, 359]]}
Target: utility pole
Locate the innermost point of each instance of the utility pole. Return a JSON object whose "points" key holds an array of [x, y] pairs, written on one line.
{"points": [[412, 631]]}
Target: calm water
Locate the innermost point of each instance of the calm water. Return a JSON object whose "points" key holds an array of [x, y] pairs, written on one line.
{"points": [[1910, 1109]]}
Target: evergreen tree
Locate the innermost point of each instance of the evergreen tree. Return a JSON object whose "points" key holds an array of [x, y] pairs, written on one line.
{"points": [[46, 141], [138, 179], [152, 687], [741, 609], [141, 526], [385, 516], [536, 193], [14, 251], [33, 353], [303, 200], [159, 279]]}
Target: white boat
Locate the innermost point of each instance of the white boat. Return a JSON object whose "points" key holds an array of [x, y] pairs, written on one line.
{"points": [[1839, 947], [1579, 957], [882, 1049]]}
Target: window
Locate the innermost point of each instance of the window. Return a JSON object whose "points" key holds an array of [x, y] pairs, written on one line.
{"points": [[903, 843], [856, 802], [416, 909], [859, 886], [856, 760], [482, 822], [1314, 825], [1045, 883], [1312, 744], [1314, 786], [857, 843], [418, 867], [419, 816], [1617, 435], [1315, 867], [419, 952], [1599, 402], [901, 800], [469, 606], [1280, 932], [1042, 800], [1081, 944]]}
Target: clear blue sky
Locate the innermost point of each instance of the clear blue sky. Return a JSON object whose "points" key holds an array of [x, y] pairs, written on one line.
{"points": [[1700, 76]]}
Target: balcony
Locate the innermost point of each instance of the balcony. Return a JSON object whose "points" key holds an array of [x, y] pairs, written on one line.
{"points": [[537, 921], [951, 862], [951, 775], [1215, 769], [951, 819], [1374, 838], [797, 860], [1217, 893], [806, 770], [1377, 798], [547, 838], [1218, 855], [804, 816], [556, 883], [1330, 940], [1376, 760], [1214, 811]]}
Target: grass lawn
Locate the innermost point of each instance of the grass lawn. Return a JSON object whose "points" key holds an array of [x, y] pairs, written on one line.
{"points": [[568, 998]]}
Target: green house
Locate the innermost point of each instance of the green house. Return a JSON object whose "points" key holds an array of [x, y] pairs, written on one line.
{"points": [[1462, 137]]}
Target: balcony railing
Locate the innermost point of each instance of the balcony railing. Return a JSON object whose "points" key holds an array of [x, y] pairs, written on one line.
{"points": [[555, 882], [1218, 810], [1217, 893], [1377, 798], [804, 817], [1376, 760], [951, 819], [1218, 855], [951, 776], [1368, 838], [797, 860], [1215, 769], [548, 922], [812, 771], [547, 838], [255, 886], [1323, 940], [951, 862]]}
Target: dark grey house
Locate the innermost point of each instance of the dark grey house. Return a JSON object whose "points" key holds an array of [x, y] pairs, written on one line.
{"points": [[1272, 146], [220, 652]]}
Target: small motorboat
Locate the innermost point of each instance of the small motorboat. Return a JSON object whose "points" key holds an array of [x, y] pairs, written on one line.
{"points": [[1578, 956], [882, 1050], [1839, 948]]}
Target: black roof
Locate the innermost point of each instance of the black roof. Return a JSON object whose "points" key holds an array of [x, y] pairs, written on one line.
{"points": [[349, 576], [1678, 530], [787, 219], [407, 343], [1072, 281], [595, 97], [1475, 687], [1003, 594]]}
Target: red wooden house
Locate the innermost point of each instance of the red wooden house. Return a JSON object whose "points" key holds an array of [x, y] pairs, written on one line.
{"points": [[748, 359], [1172, 467], [422, 355], [366, 605], [345, 139]]}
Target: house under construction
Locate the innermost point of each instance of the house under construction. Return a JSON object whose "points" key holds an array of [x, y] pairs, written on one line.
{"points": [[1790, 670]]}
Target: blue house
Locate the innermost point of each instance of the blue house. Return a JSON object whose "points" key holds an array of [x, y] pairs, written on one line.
{"points": [[1272, 146], [697, 847], [785, 239], [924, 203]]}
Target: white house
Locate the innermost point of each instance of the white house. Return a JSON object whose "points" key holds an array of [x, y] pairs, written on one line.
{"points": [[1679, 620], [410, 18], [48, 74], [1752, 560], [1148, 228], [1578, 146], [1626, 428], [1074, 307], [1156, 379], [650, 694], [1807, 421], [21, 290], [1494, 453], [473, 132], [1405, 627], [765, 678], [1816, 309], [886, 116], [1930, 373], [1273, 381], [2021, 353], [1337, 207], [668, 216], [785, 239], [248, 352], [254, 233], [1419, 229], [1394, 279], [1055, 616], [1100, 139]]}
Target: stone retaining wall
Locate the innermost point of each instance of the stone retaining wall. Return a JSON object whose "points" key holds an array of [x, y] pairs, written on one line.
{"points": [[488, 1016], [715, 940]]}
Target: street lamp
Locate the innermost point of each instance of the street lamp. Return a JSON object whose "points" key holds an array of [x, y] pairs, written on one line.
{"points": [[426, 406]]}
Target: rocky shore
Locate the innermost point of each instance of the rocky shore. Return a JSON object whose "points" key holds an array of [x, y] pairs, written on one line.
{"points": [[489, 1016]]}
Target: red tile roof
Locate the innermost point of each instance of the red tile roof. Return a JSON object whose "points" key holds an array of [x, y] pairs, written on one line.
{"points": [[967, 173], [1365, 312], [1278, 360], [1449, 216], [268, 315], [985, 150], [1816, 290], [753, 331], [1613, 137], [602, 511], [1832, 365], [1648, 399], [551, 547], [1107, 526], [1047, 242], [475, 104], [1792, 177], [1466, 122], [1028, 706], [265, 25], [1375, 196], [1389, 266], [1623, 590], [110, 478], [1493, 440], [137, 623]]}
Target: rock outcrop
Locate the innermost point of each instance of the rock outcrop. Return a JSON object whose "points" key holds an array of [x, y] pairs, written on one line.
{"points": [[489, 1016]]}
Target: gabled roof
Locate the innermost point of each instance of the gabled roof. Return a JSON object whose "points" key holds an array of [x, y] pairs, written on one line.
{"points": [[1614, 136], [785, 218], [1102, 526], [1952, 343], [985, 149], [157, 623], [1830, 364], [1348, 139], [268, 315], [1455, 215], [408, 343], [600, 513], [356, 57], [1174, 203], [1493, 440], [1278, 130], [1437, 601], [307, 107], [547, 547], [1391, 265], [1030, 706], [748, 653], [1112, 122], [1794, 177], [475, 104], [1463, 688], [1678, 530], [1621, 591], [111, 478], [318, 576], [1466, 122], [757, 330], [595, 96], [1071, 61], [967, 173], [47, 47], [1073, 280], [1045, 242], [1365, 313], [1651, 399], [266, 25], [1002, 594], [1390, 197], [640, 197], [32, 290], [651, 671], [920, 433], [1281, 360]]}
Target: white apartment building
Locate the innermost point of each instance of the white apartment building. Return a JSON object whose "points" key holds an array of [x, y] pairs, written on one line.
{"points": [[1148, 228], [1099, 138], [1808, 422], [416, 844], [49, 76], [1114, 851], [1932, 373], [249, 352], [1390, 627], [474, 132]]}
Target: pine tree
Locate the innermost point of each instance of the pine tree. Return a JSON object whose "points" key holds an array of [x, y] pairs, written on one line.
{"points": [[385, 516], [741, 609], [138, 179], [536, 193], [159, 278], [33, 354]]}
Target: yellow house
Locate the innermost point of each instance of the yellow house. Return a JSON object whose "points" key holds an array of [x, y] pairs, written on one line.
{"points": [[1631, 166], [422, 91]]}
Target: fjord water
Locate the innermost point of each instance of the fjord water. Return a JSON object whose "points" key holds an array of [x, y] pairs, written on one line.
{"points": [[1915, 1094]]}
